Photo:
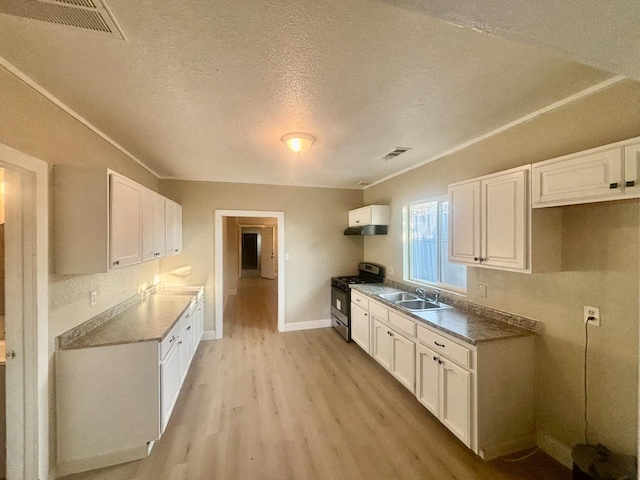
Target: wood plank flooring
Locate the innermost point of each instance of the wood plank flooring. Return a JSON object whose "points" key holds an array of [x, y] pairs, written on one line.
{"points": [[304, 405]]}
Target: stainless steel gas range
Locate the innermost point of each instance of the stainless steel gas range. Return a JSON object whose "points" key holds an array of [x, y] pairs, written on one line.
{"points": [[341, 295]]}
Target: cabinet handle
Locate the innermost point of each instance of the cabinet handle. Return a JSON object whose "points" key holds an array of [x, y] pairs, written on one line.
{"points": [[189, 327], [439, 344], [180, 342], [440, 362], [172, 339], [613, 186], [630, 183], [117, 262], [357, 221], [188, 315], [366, 314], [479, 259], [435, 359]]}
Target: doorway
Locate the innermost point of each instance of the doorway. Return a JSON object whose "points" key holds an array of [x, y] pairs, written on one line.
{"points": [[269, 230], [25, 195], [249, 252]]}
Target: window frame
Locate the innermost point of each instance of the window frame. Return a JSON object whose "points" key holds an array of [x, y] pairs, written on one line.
{"points": [[406, 249]]}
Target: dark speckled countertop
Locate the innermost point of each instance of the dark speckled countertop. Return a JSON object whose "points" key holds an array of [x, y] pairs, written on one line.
{"points": [[149, 320], [467, 326]]}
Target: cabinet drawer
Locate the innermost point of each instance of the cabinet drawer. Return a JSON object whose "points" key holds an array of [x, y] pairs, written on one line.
{"points": [[403, 325], [169, 340], [446, 347], [378, 310], [360, 300], [186, 316]]}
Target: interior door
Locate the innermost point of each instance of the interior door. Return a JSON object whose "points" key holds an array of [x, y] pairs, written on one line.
{"points": [[267, 254]]}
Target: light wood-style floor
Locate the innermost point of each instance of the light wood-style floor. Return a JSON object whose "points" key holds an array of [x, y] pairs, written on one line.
{"points": [[305, 405]]}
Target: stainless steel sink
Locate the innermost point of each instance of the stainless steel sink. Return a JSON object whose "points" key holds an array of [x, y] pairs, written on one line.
{"points": [[398, 297], [417, 304]]}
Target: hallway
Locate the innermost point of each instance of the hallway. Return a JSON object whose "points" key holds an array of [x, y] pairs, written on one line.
{"points": [[305, 405]]}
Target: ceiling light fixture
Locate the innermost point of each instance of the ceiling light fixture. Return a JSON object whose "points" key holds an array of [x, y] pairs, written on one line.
{"points": [[298, 142]]}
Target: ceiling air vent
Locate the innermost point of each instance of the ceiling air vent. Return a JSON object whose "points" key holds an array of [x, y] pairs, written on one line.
{"points": [[363, 183], [395, 153], [91, 15]]}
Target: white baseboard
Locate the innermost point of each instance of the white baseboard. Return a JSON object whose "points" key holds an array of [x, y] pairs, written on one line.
{"points": [[555, 448], [496, 451], [292, 327], [209, 335]]}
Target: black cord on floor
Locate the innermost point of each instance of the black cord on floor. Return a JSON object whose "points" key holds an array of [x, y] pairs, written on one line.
{"points": [[586, 349]]}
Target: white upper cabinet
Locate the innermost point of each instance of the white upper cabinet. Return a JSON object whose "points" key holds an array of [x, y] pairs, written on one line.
{"points": [[126, 222], [464, 222], [504, 220], [369, 215], [153, 225], [103, 221], [173, 215], [489, 221], [604, 173]]}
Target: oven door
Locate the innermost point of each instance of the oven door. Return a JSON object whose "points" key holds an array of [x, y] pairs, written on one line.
{"points": [[340, 302]]}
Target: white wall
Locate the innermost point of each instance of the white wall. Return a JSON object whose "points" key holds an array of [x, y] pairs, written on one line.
{"points": [[600, 268]]}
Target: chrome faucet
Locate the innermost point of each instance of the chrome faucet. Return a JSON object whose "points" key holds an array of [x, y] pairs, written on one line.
{"points": [[423, 293]]}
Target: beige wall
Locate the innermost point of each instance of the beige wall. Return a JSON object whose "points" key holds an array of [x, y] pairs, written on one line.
{"points": [[314, 219], [32, 124], [600, 268]]}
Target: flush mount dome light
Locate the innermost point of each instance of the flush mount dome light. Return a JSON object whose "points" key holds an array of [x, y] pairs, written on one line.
{"points": [[298, 142]]}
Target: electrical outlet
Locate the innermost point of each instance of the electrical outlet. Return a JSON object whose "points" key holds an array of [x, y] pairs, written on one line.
{"points": [[592, 315], [94, 298], [390, 270], [482, 291]]}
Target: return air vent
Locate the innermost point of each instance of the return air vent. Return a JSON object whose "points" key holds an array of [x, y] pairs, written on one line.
{"points": [[91, 15], [395, 153]]}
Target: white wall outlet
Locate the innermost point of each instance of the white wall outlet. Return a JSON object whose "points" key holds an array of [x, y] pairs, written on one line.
{"points": [[592, 315], [94, 298], [482, 291], [390, 270], [286, 257]]}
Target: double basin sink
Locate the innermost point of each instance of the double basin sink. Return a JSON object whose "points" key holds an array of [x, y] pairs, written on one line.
{"points": [[409, 301]]}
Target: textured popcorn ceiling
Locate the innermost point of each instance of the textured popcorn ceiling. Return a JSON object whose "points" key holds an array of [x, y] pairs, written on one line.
{"points": [[205, 89]]}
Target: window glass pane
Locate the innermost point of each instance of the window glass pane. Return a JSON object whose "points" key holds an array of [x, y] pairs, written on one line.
{"points": [[450, 273], [423, 241]]}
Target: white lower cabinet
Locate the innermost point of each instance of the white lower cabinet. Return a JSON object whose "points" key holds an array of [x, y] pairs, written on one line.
{"points": [[170, 380], [113, 401], [483, 393], [395, 353], [360, 327], [445, 389]]}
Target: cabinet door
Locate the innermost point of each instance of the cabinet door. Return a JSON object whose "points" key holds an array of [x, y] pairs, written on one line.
{"points": [[153, 228], [360, 327], [455, 400], [464, 222], [428, 379], [360, 216], [632, 170], [403, 360], [173, 213], [185, 348], [381, 345], [198, 325], [504, 220], [125, 222], [169, 383], [584, 178]]}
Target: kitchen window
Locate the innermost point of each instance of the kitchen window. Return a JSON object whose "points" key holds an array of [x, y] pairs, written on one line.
{"points": [[427, 246]]}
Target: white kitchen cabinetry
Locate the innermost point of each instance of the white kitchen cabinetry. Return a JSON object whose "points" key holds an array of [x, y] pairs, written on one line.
{"points": [[153, 225], [103, 221], [483, 393], [125, 222], [369, 215], [491, 225], [360, 327], [392, 350], [445, 389], [114, 400], [605, 173], [173, 212]]}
